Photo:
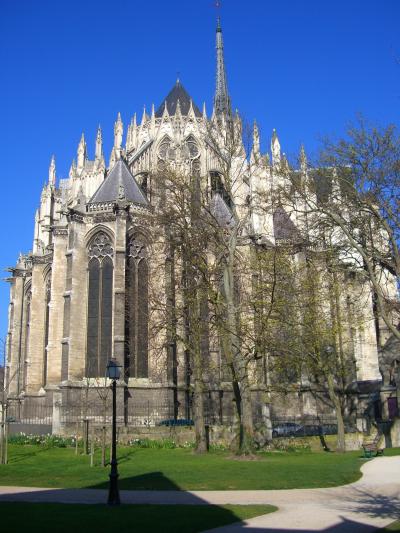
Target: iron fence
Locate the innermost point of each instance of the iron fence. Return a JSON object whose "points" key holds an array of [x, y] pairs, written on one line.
{"points": [[29, 413], [139, 414], [150, 413]]}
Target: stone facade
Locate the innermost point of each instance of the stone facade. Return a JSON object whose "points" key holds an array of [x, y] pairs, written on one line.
{"points": [[51, 317]]}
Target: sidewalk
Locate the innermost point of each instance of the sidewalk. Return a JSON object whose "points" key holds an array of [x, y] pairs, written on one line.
{"points": [[370, 503]]}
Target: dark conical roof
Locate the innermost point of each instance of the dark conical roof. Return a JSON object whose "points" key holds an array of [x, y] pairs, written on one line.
{"points": [[178, 92], [119, 184]]}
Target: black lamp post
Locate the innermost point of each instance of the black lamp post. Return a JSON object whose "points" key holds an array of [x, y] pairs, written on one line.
{"points": [[113, 373]]}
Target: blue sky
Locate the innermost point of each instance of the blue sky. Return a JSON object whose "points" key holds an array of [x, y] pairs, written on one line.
{"points": [[303, 67]]}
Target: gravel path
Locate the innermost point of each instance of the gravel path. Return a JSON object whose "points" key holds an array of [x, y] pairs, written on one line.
{"points": [[370, 503]]}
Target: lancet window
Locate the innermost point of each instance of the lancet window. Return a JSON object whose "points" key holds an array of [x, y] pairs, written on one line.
{"points": [[100, 289], [137, 308]]}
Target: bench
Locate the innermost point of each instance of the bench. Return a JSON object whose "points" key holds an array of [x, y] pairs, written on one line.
{"points": [[372, 448]]}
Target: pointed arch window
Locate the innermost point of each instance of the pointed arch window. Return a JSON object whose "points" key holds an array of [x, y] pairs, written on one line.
{"points": [[100, 287], [137, 308], [192, 153]]}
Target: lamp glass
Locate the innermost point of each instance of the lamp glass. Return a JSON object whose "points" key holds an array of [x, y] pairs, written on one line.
{"points": [[113, 370]]}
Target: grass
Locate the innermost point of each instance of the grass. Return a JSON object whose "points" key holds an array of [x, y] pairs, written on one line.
{"points": [[394, 526], [180, 469], [64, 518]]}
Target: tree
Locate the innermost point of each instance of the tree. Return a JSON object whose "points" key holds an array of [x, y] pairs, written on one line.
{"points": [[226, 140], [362, 215], [298, 337], [4, 403], [206, 223], [180, 232]]}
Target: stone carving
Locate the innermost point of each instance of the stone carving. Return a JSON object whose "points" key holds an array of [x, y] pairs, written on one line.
{"points": [[121, 193], [136, 248], [101, 246]]}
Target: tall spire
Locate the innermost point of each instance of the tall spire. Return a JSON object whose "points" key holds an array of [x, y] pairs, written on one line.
{"points": [[52, 171], [222, 102], [99, 145], [82, 153]]}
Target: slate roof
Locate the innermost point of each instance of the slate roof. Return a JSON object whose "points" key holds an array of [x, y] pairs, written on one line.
{"points": [[322, 178], [284, 228], [178, 92], [111, 188], [220, 210]]}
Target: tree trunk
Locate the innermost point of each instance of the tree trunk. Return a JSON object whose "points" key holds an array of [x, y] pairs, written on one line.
{"points": [[193, 342], [238, 364], [341, 442], [198, 414], [247, 430]]}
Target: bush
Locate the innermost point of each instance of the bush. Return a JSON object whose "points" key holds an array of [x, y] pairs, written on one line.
{"points": [[288, 445], [166, 444], [48, 441]]}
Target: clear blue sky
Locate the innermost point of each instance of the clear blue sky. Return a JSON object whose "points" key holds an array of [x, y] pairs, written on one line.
{"points": [[303, 67]]}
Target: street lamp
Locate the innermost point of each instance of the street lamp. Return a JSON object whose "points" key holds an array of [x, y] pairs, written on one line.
{"points": [[113, 373]]}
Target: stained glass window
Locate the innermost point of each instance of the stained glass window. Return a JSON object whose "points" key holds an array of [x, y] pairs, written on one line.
{"points": [[99, 316], [136, 321]]}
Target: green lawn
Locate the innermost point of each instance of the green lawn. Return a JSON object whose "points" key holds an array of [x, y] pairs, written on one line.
{"points": [[180, 469], [47, 518], [394, 526]]}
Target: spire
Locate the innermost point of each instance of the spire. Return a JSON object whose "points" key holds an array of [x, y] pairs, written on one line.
{"points": [[256, 139], [118, 132], [99, 145], [144, 117], [152, 120], [72, 169], [222, 103], [275, 149], [303, 159], [52, 171], [81, 153]]}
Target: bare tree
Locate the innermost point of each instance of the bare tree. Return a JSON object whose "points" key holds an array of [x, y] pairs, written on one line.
{"points": [[357, 208]]}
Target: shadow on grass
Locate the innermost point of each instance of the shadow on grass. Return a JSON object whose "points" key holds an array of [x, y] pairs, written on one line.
{"points": [[37, 450], [170, 510]]}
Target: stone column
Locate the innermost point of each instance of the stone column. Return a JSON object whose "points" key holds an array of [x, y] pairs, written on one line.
{"points": [[78, 305], [14, 379], [56, 311], [56, 420], [35, 358], [119, 287]]}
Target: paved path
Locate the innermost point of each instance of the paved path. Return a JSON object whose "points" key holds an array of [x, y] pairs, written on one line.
{"points": [[370, 503]]}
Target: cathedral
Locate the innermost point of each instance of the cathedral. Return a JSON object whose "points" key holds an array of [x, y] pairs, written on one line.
{"points": [[83, 294]]}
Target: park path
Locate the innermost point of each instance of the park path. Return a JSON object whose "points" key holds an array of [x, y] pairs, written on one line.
{"points": [[361, 507]]}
